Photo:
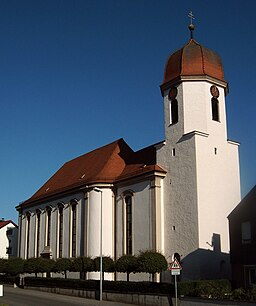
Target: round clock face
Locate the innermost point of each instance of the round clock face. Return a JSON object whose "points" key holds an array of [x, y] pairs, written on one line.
{"points": [[172, 93], [214, 91]]}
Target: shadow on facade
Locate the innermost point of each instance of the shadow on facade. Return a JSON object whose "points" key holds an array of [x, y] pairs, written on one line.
{"points": [[205, 264]]}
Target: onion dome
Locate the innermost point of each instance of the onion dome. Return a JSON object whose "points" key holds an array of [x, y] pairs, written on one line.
{"points": [[192, 60]]}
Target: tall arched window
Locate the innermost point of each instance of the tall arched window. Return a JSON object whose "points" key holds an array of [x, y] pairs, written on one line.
{"points": [[129, 227], [60, 231], [173, 105], [174, 111], [48, 225], [38, 228], [73, 227], [28, 217], [215, 109]]}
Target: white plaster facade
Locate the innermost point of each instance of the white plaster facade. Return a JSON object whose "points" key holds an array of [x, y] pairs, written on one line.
{"points": [[8, 239], [202, 183]]}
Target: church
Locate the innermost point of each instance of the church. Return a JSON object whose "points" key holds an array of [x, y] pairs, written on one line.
{"points": [[173, 196]]}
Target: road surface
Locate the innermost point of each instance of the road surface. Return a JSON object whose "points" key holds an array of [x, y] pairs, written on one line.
{"points": [[27, 297]]}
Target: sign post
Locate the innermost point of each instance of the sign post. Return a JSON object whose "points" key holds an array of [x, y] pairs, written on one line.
{"points": [[175, 268]]}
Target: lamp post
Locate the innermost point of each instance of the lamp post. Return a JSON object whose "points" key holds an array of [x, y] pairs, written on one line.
{"points": [[99, 190]]}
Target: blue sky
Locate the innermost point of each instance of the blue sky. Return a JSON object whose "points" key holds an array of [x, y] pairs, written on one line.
{"points": [[78, 74]]}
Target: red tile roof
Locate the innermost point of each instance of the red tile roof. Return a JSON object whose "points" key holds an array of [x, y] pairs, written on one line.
{"points": [[109, 164], [4, 223], [193, 60]]}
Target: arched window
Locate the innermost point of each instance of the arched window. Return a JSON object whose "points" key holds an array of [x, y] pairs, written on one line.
{"points": [[73, 227], [129, 227], [38, 228], [174, 111], [215, 109], [48, 225], [28, 217], [60, 231]]}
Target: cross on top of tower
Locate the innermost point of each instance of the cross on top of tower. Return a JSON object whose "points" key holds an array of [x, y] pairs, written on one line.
{"points": [[191, 26], [191, 16]]}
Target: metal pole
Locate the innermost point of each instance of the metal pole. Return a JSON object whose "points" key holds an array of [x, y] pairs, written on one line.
{"points": [[101, 245], [99, 190], [176, 291]]}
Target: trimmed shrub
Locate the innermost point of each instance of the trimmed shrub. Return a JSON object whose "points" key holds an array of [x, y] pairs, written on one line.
{"points": [[3, 265], [39, 265], [152, 262], [62, 265], [107, 264], [82, 264], [127, 264], [32, 265], [14, 266]]}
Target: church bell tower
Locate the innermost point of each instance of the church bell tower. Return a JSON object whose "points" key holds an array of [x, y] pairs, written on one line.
{"points": [[202, 184]]}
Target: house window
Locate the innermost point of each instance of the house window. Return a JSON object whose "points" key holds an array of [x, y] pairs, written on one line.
{"points": [[252, 276], [73, 228], [48, 225], [215, 109], [60, 237], [38, 220], [129, 230], [246, 232], [28, 234], [9, 232]]}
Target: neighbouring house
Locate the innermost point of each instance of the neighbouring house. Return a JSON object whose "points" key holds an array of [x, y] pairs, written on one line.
{"points": [[172, 196], [242, 231], [8, 239]]}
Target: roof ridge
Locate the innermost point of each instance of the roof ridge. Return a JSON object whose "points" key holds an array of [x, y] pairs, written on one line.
{"points": [[91, 152]]}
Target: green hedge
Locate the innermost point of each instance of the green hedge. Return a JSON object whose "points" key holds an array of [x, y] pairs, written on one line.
{"points": [[118, 286], [6, 279], [217, 289], [60, 283]]}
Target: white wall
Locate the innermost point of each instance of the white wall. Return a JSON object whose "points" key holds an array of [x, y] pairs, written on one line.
{"points": [[8, 241], [202, 184], [141, 214], [54, 227]]}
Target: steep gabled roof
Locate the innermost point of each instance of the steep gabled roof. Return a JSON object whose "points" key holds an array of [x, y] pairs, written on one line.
{"points": [[4, 223], [108, 164], [248, 201]]}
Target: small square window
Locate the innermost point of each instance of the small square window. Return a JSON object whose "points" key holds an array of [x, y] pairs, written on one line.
{"points": [[9, 232]]}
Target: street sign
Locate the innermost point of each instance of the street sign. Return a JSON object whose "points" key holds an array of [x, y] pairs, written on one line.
{"points": [[175, 272], [175, 268], [175, 265]]}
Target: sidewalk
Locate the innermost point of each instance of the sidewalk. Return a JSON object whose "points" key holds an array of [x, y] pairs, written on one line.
{"points": [[28, 297]]}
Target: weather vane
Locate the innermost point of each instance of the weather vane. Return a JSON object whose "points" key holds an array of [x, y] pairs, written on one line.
{"points": [[191, 26]]}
